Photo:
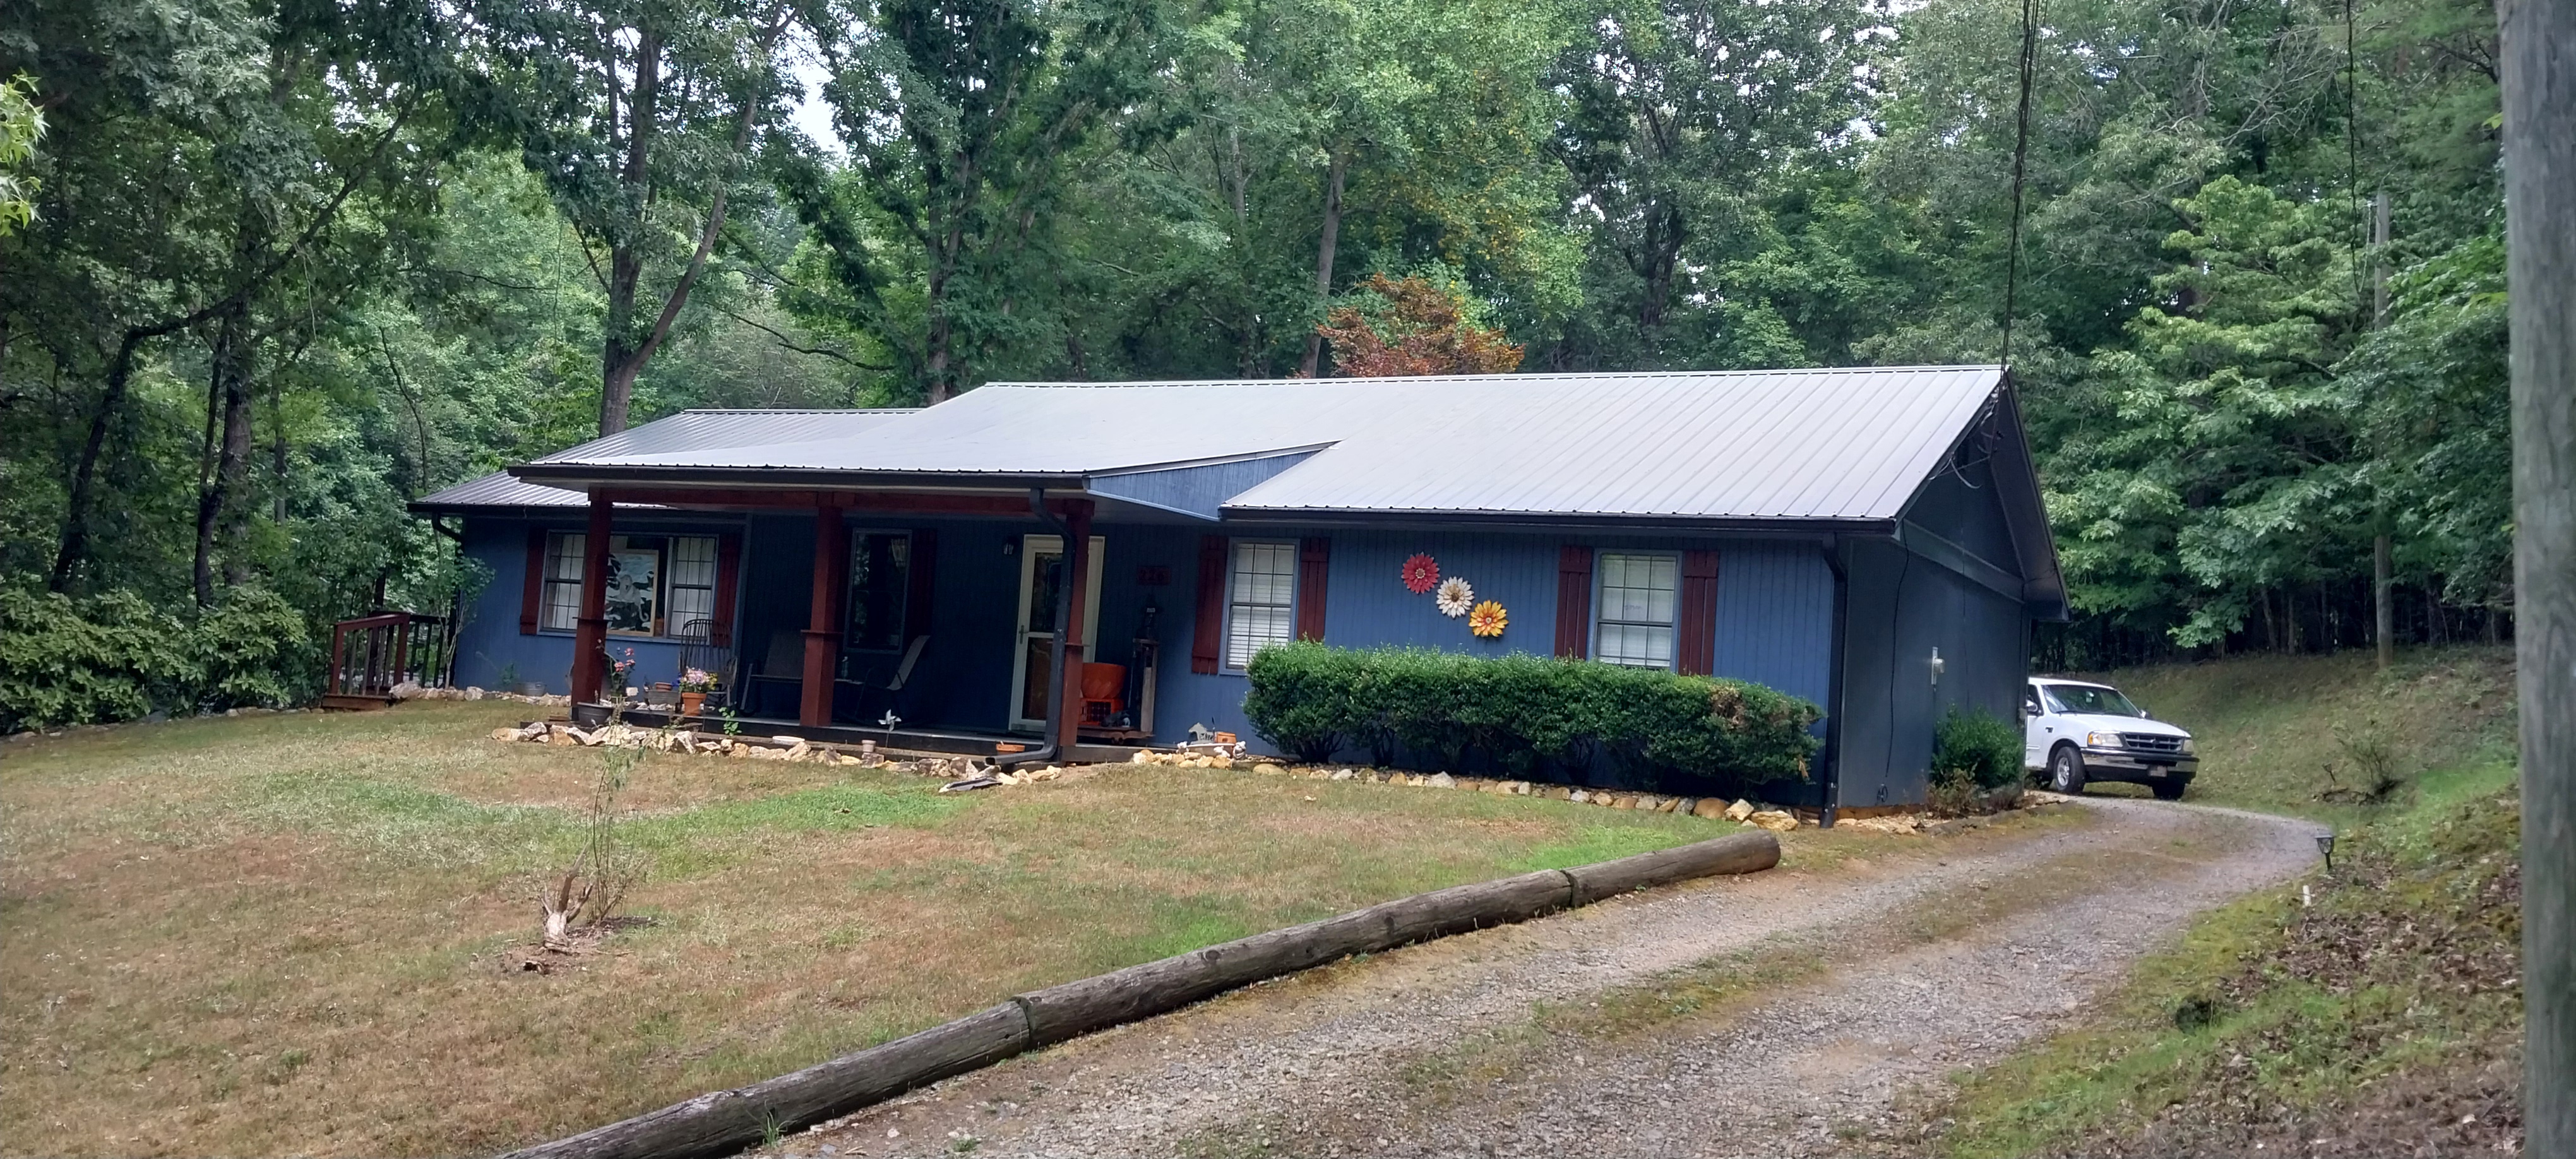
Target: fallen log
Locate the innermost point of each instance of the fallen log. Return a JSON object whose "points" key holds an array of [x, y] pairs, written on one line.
{"points": [[725, 1122]]}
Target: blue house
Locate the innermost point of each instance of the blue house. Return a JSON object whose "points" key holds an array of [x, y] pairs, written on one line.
{"points": [[1093, 564]]}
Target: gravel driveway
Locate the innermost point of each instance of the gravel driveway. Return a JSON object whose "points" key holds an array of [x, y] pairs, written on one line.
{"points": [[1830, 993]]}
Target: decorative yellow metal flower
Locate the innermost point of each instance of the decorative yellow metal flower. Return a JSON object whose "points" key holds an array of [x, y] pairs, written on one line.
{"points": [[1487, 619]]}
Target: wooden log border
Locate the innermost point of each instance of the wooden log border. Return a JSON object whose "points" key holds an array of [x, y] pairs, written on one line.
{"points": [[727, 1122]]}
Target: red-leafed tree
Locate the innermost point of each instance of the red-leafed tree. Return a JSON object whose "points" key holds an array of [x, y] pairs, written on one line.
{"points": [[1412, 328]]}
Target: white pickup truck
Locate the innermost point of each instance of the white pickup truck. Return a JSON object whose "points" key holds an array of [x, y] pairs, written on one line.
{"points": [[2075, 732]]}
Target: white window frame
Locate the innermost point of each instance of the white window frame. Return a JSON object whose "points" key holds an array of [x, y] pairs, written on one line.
{"points": [[567, 559], [672, 587], [1287, 607], [1601, 606]]}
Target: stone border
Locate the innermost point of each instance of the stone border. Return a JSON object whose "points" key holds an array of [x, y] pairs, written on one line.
{"points": [[726, 1122]]}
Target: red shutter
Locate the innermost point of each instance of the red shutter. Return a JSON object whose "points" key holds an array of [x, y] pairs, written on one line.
{"points": [[1574, 601], [1314, 559], [533, 594], [921, 580], [1207, 634], [1696, 651], [728, 581]]}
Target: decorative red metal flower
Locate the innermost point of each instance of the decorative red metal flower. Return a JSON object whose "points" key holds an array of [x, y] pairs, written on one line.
{"points": [[1420, 574]]}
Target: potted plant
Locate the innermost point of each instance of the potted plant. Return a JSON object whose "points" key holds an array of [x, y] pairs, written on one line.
{"points": [[695, 684]]}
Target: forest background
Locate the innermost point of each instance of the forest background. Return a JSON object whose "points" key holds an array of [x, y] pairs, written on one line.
{"points": [[271, 268]]}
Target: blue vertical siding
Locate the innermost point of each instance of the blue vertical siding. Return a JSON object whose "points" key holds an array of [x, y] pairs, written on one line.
{"points": [[1774, 619], [489, 644]]}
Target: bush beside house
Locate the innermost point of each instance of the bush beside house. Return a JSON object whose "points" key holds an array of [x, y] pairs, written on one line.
{"points": [[1527, 714], [117, 657]]}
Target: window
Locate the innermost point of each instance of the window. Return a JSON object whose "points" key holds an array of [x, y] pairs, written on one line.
{"points": [[657, 585], [880, 571], [562, 606], [693, 586], [1634, 616], [1258, 601]]}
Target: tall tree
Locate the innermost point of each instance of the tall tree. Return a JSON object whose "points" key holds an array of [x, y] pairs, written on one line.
{"points": [[639, 115], [1677, 105], [961, 117]]}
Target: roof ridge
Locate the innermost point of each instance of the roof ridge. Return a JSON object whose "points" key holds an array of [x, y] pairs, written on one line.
{"points": [[1543, 376]]}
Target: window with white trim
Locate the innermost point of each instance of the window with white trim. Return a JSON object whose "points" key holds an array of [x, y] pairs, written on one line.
{"points": [[693, 586], [561, 609], [1633, 614], [659, 585], [1259, 600]]}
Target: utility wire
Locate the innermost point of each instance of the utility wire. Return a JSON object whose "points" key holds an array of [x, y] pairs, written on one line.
{"points": [[2021, 159]]}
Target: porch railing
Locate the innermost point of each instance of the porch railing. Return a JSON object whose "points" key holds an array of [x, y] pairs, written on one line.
{"points": [[370, 655]]}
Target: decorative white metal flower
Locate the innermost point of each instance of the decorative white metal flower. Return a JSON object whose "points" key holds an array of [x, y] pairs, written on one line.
{"points": [[1455, 596]]}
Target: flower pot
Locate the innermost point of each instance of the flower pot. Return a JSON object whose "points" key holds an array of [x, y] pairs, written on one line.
{"points": [[691, 702]]}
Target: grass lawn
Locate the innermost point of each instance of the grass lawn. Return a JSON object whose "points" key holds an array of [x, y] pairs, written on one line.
{"points": [[2275, 733], [295, 933], [2375, 1013]]}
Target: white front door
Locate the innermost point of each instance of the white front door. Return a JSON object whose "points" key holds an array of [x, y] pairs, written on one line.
{"points": [[1041, 571]]}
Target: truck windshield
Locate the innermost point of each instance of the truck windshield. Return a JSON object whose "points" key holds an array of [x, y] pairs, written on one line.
{"points": [[2089, 698]]}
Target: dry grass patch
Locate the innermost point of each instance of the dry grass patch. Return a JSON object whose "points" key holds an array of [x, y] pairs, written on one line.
{"points": [[299, 933]]}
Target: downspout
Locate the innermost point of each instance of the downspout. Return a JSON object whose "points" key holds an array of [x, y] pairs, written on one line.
{"points": [[1055, 661], [1832, 783]]}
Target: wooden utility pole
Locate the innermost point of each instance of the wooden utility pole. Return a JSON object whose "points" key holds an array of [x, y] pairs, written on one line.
{"points": [[2539, 76], [2383, 570]]}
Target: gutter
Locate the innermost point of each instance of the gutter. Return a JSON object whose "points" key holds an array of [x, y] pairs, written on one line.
{"points": [[1055, 658]]}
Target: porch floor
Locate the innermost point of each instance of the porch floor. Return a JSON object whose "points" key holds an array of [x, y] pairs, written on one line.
{"points": [[1096, 746]]}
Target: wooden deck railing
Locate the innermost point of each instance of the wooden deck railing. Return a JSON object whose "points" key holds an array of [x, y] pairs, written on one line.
{"points": [[370, 655]]}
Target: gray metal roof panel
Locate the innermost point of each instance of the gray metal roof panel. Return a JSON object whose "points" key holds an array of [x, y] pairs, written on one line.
{"points": [[1839, 444], [498, 489], [709, 432]]}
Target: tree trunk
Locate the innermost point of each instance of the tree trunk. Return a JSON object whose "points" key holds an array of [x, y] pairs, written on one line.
{"points": [[2383, 581], [1334, 176], [2539, 75], [618, 356], [217, 516]]}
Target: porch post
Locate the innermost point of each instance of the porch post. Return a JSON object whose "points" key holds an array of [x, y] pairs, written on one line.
{"points": [[590, 635], [1077, 564], [823, 633]]}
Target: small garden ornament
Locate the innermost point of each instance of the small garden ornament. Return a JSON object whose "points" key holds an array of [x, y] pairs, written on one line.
{"points": [[1487, 620], [1456, 596]]}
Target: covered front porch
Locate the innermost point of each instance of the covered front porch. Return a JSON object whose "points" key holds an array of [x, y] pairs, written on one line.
{"points": [[947, 621]]}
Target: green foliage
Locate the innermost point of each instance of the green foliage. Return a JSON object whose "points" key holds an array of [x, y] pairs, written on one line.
{"points": [[1977, 748], [116, 657], [1526, 713], [22, 124]]}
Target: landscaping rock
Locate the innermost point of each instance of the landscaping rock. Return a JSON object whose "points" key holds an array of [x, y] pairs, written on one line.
{"points": [[505, 733], [1709, 808], [787, 741], [1269, 770], [1775, 820], [407, 690], [1683, 805], [1439, 781], [1739, 810], [1343, 774]]}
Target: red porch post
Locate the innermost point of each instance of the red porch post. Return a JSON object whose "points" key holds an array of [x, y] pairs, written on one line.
{"points": [[590, 636], [823, 634], [1077, 566]]}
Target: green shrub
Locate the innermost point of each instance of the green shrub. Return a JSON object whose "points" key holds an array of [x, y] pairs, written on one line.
{"points": [[1525, 713], [117, 657], [1977, 748]]}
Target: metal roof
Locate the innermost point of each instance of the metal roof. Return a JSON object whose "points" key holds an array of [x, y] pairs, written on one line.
{"points": [[497, 489], [1822, 445]]}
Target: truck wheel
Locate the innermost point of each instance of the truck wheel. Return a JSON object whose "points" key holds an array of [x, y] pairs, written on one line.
{"points": [[2168, 790], [2066, 770]]}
